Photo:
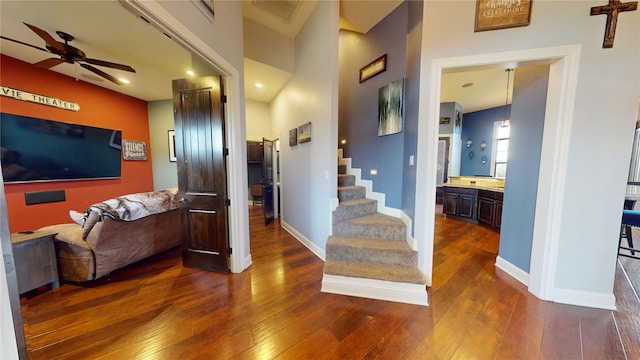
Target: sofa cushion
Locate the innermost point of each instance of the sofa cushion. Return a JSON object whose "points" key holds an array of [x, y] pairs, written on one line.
{"points": [[69, 233]]}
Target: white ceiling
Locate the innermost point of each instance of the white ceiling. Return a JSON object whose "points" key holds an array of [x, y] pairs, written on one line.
{"points": [[488, 89], [103, 30], [157, 59]]}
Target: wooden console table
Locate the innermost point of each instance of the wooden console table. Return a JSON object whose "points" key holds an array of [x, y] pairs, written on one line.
{"points": [[34, 257]]}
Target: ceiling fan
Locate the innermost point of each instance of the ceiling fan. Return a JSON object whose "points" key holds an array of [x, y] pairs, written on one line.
{"points": [[70, 54]]}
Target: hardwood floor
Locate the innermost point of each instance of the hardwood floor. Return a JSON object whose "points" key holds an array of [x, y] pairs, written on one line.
{"points": [[157, 309]]}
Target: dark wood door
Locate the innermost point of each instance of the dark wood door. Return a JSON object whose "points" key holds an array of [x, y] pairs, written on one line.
{"points": [[202, 175], [267, 180]]}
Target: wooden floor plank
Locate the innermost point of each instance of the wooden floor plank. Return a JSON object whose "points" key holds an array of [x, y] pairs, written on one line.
{"points": [[561, 334], [627, 317], [158, 309]]}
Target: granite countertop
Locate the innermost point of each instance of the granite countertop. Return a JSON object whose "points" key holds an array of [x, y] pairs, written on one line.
{"points": [[473, 186]]}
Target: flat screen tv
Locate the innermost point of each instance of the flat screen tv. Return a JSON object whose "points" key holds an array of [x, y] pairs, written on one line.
{"points": [[43, 150]]}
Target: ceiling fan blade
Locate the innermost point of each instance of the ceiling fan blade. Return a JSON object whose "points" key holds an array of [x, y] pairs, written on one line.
{"points": [[24, 43], [47, 38], [101, 73], [49, 63], [110, 64]]}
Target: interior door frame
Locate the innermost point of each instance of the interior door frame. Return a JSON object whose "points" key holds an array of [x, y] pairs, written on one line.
{"points": [[233, 109], [564, 67]]}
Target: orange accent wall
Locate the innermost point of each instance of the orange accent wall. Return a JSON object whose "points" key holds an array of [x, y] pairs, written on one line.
{"points": [[98, 107]]}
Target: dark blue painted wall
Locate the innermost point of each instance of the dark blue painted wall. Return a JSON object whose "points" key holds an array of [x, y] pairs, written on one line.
{"points": [[358, 103], [478, 126], [525, 146]]}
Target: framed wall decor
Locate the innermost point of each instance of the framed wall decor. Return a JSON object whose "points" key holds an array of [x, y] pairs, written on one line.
{"points": [[391, 108], [134, 150], [304, 133], [373, 68], [494, 15], [293, 137], [172, 146]]}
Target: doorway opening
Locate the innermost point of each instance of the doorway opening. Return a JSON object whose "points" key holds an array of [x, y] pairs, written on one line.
{"points": [[562, 86]]}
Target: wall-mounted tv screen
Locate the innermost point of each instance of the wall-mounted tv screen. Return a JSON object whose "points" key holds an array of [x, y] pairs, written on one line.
{"points": [[43, 150]]}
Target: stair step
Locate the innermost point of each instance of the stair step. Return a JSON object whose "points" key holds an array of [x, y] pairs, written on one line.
{"points": [[374, 226], [380, 251], [347, 193], [346, 180], [353, 209], [342, 168], [395, 273]]}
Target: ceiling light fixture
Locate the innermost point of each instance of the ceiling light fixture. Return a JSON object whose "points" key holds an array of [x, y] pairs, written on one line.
{"points": [[123, 80], [190, 73], [259, 86], [506, 119]]}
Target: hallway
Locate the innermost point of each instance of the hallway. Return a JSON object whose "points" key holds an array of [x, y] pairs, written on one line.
{"points": [[159, 309]]}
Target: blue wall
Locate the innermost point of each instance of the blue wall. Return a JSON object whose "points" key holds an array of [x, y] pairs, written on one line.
{"points": [[478, 126], [527, 124], [358, 103]]}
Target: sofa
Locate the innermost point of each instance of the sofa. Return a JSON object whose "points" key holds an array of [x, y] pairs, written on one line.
{"points": [[115, 233]]}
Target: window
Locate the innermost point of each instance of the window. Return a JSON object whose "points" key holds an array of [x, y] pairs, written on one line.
{"points": [[501, 130]]}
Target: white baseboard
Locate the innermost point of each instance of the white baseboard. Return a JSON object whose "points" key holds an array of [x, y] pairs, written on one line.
{"points": [[513, 270], [320, 253], [376, 289], [585, 298], [563, 296]]}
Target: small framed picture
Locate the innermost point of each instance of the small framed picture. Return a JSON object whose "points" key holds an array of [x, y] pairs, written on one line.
{"points": [[304, 133], [373, 68], [293, 137], [172, 146]]}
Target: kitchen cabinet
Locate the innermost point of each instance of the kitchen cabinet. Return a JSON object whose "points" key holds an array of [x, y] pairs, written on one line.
{"points": [[490, 208], [254, 152], [460, 203]]}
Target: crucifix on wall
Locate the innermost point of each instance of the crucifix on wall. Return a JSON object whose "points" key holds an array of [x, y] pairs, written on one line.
{"points": [[612, 9]]}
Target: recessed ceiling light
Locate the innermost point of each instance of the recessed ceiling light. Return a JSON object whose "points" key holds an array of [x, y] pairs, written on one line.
{"points": [[190, 73], [123, 80], [470, 84], [259, 86]]}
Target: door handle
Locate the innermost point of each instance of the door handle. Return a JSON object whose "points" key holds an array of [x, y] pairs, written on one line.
{"points": [[183, 200]]}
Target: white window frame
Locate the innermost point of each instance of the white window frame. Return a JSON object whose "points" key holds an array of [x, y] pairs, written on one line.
{"points": [[494, 146]]}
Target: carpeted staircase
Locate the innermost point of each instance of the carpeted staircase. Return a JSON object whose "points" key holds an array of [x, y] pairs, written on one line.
{"points": [[370, 246]]}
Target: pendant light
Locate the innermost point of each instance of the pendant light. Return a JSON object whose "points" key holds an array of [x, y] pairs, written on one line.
{"points": [[506, 118]]}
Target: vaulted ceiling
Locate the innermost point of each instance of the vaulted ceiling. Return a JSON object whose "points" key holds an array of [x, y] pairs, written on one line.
{"points": [[158, 59]]}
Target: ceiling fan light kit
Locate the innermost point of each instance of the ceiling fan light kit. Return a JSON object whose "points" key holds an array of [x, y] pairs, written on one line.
{"points": [[70, 55]]}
